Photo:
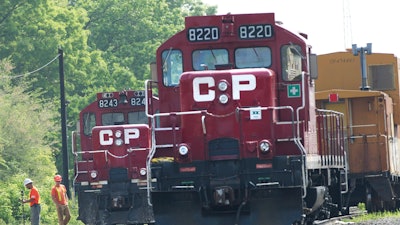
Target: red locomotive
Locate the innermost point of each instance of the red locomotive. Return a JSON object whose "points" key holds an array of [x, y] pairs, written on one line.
{"points": [[110, 167], [232, 134], [237, 138]]}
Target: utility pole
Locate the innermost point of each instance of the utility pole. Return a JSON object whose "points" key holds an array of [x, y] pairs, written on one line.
{"points": [[347, 28], [63, 122], [363, 61]]}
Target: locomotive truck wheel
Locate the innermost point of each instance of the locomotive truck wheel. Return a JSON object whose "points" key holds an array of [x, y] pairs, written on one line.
{"points": [[368, 199], [390, 205], [373, 203]]}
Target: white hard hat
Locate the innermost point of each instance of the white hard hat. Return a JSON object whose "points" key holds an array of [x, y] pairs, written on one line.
{"points": [[27, 181]]}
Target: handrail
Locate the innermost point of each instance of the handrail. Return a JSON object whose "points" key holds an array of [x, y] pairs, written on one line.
{"points": [[296, 137]]}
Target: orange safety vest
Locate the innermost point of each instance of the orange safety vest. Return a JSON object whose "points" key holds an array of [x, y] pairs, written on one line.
{"points": [[59, 194], [34, 193]]}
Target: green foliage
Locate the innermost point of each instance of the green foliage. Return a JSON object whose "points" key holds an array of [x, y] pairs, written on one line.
{"points": [[34, 30], [10, 193], [108, 44], [25, 121], [361, 206], [129, 31]]}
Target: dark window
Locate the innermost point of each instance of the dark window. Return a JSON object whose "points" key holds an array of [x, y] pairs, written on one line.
{"points": [[137, 118], [112, 119], [381, 77]]}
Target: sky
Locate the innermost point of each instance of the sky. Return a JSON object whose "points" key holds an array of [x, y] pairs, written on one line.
{"points": [[331, 25]]}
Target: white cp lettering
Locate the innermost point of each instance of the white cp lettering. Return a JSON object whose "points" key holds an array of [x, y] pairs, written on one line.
{"points": [[107, 136], [244, 82], [210, 95]]}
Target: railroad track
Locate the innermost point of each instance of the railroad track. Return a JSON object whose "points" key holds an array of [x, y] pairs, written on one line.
{"points": [[354, 212]]}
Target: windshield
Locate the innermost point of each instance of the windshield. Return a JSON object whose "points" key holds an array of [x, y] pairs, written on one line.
{"points": [[207, 59], [137, 118], [112, 119], [257, 57]]}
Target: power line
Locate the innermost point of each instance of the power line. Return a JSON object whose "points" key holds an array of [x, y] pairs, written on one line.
{"points": [[32, 72]]}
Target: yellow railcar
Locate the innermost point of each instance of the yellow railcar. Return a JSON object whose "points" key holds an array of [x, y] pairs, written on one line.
{"points": [[371, 119], [342, 70]]}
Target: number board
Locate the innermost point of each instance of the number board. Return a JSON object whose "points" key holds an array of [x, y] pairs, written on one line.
{"points": [[114, 102], [138, 101], [203, 34], [255, 31], [108, 103]]}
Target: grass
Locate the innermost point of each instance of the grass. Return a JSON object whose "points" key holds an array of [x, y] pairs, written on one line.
{"points": [[372, 216]]}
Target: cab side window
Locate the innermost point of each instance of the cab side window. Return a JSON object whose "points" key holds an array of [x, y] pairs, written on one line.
{"points": [[291, 57], [172, 67], [89, 121]]}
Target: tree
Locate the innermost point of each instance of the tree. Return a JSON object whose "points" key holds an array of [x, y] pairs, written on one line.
{"points": [[31, 33], [129, 31], [25, 120], [108, 44]]}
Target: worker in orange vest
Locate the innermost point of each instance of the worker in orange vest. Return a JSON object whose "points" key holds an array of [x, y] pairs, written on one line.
{"points": [[60, 198], [34, 201]]}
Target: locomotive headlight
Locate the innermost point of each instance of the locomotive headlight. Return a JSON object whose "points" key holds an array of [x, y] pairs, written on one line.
{"points": [[93, 174], [223, 99], [118, 134], [265, 146], [119, 142], [222, 85], [183, 150], [107, 95], [143, 171]]}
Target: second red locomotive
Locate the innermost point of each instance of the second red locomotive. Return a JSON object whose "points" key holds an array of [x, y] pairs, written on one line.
{"points": [[110, 163]]}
